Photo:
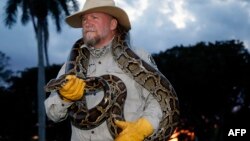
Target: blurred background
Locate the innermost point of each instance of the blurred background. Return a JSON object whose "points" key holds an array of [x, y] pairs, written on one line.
{"points": [[201, 47]]}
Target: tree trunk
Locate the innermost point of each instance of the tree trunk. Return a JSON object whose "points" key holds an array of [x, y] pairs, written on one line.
{"points": [[40, 85]]}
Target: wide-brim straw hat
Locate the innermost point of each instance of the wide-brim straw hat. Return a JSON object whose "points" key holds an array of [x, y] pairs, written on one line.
{"points": [[104, 6]]}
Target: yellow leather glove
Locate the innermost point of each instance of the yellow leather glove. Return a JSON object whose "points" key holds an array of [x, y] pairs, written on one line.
{"points": [[73, 89], [134, 131]]}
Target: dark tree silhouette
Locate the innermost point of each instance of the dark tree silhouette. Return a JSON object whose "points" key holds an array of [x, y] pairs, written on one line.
{"points": [[18, 105], [209, 80], [5, 73], [38, 11]]}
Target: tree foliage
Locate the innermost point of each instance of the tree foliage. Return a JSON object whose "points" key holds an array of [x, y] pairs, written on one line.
{"points": [[210, 79], [5, 73], [38, 11]]}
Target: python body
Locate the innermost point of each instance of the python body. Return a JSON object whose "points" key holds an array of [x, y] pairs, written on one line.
{"points": [[111, 106]]}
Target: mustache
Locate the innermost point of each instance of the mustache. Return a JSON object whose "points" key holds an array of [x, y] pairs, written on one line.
{"points": [[89, 29]]}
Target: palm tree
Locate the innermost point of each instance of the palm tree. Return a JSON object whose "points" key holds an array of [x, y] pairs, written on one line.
{"points": [[38, 11]]}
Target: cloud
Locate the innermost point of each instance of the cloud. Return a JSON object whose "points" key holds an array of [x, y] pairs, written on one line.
{"points": [[179, 15], [167, 23], [135, 9], [221, 20]]}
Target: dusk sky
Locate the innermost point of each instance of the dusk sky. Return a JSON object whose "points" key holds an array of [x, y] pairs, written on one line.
{"points": [[157, 25]]}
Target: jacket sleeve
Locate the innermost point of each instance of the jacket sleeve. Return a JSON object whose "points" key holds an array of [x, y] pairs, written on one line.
{"points": [[152, 110], [55, 107]]}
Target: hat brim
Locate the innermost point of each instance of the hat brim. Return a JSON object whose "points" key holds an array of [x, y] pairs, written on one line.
{"points": [[75, 20]]}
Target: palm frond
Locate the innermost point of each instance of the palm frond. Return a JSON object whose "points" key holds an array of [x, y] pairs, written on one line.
{"points": [[54, 9], [11, 12], [63, 4], [25, 15]]}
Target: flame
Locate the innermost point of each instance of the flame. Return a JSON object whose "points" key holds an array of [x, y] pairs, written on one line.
{"points": [[174, 136], [190, 136]]}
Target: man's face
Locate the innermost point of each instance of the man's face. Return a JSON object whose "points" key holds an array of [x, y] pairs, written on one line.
{"points": [[97, 27]]}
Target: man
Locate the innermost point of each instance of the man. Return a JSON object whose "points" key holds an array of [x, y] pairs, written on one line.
{"points": [[100, 21]]}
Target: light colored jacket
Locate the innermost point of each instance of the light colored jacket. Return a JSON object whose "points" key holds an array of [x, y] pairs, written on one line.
{"points": [[139, 102]]}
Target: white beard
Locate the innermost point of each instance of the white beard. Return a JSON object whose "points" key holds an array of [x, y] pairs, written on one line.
{"points": [[91, 38]]}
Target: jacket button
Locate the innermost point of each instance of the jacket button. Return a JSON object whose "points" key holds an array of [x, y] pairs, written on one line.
{"points": [[92, 132]]}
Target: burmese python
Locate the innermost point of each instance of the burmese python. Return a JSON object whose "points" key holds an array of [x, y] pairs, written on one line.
{"points": [[144, 74]]}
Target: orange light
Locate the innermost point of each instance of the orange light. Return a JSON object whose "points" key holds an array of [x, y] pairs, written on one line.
{"points": [[190, 136], [174, 136]]}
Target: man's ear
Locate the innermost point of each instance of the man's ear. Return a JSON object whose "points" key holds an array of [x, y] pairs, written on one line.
{"points": [[113, 24]]}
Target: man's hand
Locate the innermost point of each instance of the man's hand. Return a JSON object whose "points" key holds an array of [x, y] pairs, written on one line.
{"points": [[134, 131], [73, 89]]}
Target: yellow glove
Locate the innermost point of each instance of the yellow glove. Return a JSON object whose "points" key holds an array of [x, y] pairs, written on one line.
{"points": [[73, 89], [134, 131]]}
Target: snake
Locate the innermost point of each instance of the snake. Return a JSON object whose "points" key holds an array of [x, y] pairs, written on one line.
{"points": [[112, 104]]}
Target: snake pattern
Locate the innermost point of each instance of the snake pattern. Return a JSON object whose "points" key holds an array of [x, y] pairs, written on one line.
{"points": [[111, 106]]}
